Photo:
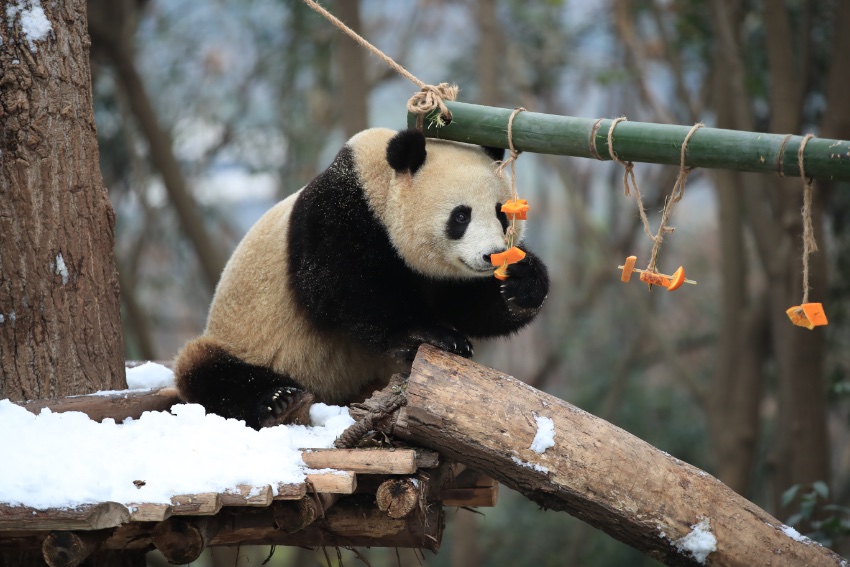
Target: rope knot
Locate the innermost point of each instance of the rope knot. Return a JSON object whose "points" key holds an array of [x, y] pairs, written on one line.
{"points": [[431, 97]]}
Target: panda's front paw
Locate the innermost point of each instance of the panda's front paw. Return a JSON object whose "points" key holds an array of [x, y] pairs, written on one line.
{"points": [[528, 283], [286, 404], [445, 339]]}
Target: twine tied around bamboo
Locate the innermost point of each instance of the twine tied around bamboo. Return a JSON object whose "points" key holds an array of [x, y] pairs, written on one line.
{"points": [[426, 100]]}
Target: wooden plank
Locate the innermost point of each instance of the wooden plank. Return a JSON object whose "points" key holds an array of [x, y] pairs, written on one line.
{"points": [[367, 461], [205, 504], [291, 491], [118, 406], [89, 517], [245, 495], [149, 512], [336, 482]]}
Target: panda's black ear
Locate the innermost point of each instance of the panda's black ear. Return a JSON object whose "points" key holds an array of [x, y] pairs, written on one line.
{"points": [[498, 154], [406, 151]]}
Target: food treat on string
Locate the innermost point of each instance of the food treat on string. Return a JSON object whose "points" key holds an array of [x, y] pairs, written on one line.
{"points": [[672, 283], [808, 315], [515, 209]]}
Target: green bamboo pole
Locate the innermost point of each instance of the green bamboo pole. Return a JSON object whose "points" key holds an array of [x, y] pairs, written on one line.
{"points": [[643, 142]]}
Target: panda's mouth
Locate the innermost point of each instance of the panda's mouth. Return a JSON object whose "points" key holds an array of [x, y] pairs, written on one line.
{"points": [[486, 270]]}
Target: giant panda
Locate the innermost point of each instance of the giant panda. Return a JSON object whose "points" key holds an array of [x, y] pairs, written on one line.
{"points": [[334, 289]]}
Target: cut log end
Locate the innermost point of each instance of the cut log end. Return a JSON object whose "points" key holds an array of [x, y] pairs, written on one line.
{"points": [[398, 497], [182, 540]]}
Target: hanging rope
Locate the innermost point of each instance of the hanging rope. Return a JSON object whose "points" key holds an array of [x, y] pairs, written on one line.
{"points": [[630, 182], [510, 234], [809, 244], [429, 97]]}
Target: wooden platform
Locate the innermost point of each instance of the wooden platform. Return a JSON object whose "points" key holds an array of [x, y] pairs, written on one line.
{"points": [[373, 497]]}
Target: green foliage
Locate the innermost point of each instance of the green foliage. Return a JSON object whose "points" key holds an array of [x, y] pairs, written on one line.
{"points": [[829, 522]]}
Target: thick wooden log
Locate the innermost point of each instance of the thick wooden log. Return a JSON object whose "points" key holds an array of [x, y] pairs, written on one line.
{"points": [[595, 471], [301, 513], [90, 517], [352, 521], [367, 461], [118, 406], [398, 497], [182, 540], [69, 549], [471, 489]]}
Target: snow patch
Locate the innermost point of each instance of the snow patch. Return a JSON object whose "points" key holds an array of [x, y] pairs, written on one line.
{"points": [[2, 319], [148, 376], [545, 436], [34, 24], [63, 460], [699, 543], [528, 465], [795, 535], [61, 269]]}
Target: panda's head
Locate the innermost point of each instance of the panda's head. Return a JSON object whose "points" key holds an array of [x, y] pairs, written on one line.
{"points": [[441, 202]]}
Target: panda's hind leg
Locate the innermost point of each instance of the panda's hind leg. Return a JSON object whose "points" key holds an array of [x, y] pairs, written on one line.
{"points": [[207, 374]]}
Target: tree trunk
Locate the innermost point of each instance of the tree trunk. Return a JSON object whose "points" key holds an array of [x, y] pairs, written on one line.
{"points": [[732, 412], [60, 325], [352, 71]]}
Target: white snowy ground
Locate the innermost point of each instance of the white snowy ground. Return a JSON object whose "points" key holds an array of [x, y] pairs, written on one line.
{"points": [[54, 460]]}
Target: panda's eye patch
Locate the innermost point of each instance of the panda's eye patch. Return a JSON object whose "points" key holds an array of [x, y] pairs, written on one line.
{"points": [[503, 218], [459, 219]]}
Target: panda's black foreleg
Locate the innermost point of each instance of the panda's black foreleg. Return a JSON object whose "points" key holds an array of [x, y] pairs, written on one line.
{"points": [[209, 375], [446, 339]]}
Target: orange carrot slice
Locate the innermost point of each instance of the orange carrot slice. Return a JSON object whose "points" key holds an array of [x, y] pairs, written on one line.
{"points": [[808, 315], [677, 279], [798, 317], [518, 207], [628, 268], [510, 256], [655, 279]]}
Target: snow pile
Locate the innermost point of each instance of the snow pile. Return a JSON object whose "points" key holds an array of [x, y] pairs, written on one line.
{"points": [[545, 436], [794, 534], [34, 24], [149, 375], [60, 269], [65, 459], [699, 543]]}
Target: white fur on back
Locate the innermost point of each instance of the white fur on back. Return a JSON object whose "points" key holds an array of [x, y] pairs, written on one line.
{"points": [[254, 316]]}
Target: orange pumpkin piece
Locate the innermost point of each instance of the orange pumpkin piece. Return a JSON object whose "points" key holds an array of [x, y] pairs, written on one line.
{"points": [[628, 268], [519, 208], [510, 256], [677, 279], [501, 273], [655, 279], [808, 315]]}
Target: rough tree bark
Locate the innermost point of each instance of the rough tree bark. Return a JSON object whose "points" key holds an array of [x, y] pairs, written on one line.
{"points": [[589, 468], [60, 328]]}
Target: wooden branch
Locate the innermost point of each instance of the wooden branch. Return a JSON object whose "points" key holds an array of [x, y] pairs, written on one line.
{"points": [[182, 540], [367, 461], [69, 549], [471, 488], [595, 471], [118, 406]]}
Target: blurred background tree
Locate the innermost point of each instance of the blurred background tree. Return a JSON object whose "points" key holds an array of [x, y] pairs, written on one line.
{"points": [[209, 112]]}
